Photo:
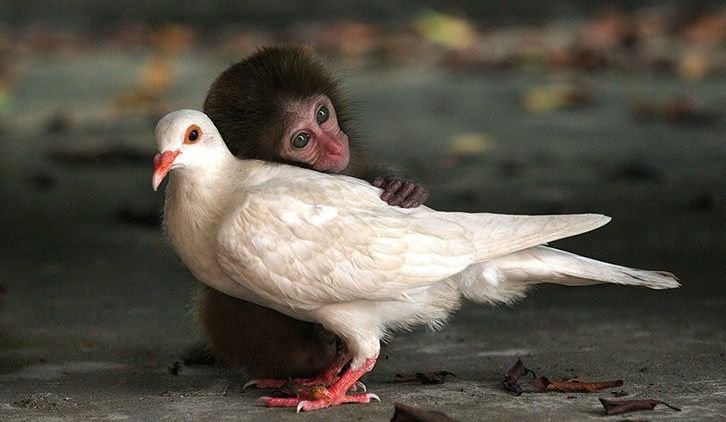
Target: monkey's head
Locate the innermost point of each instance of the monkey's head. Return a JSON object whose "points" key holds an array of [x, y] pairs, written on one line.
{"points": [[282, 104]]}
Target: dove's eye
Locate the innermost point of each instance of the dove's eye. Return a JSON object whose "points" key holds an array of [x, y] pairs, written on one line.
{"points": [[193, 134], [301, 140]]}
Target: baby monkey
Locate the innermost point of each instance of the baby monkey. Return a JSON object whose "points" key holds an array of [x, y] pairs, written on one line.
{"points": [[282, 104]]}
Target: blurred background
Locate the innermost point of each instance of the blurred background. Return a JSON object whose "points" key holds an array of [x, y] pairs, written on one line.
{"points": [[506, 106]]}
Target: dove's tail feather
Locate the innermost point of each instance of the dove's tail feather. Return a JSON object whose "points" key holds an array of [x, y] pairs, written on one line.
{"points": [[500, 234], [507, 278]]}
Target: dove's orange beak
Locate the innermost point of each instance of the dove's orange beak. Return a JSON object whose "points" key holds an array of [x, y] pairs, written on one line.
{"points": [[162, 164]]}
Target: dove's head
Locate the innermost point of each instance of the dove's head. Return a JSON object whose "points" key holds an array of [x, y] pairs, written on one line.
{"points": [[186, 139]]}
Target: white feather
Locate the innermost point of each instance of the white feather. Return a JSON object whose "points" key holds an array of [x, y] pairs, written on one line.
{"points": [[325, 248]]}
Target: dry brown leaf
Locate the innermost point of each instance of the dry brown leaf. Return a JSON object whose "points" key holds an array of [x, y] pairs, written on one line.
{"points": [[617, 407], [511, 380], [404, 413], [575, 385], [436, 377]]}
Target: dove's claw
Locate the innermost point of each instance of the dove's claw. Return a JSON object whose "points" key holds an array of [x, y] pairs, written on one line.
{"points": [[301, 405], [358, 386], [308, 405], [321, 397], [249, 384]]}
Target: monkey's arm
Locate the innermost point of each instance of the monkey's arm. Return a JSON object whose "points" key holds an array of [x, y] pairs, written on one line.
{"points": [[397, 190]]}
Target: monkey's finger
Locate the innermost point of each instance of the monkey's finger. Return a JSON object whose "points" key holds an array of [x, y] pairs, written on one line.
{"points": [[390, 191], [378, 182], [406, 190], [400, 195], [421, 194], [418, 197]]}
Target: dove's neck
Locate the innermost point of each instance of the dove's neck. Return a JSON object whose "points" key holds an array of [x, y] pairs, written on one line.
{"points": [[197, 189], [195, 201]]}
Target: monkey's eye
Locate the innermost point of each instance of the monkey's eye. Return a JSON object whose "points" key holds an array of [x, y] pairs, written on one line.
{"points": [[301, 140], [322, 115], [193, 134]]}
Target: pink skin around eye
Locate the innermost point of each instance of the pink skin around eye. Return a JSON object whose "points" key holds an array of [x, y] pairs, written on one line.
{"points": [[327, 149]]}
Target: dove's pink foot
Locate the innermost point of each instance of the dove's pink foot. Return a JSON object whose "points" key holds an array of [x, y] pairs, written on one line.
{"points": [[326, 378], [321, 397]]}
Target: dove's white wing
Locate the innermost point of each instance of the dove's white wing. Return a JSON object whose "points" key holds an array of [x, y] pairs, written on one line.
{"points": [[322, 239], [304, 245]]}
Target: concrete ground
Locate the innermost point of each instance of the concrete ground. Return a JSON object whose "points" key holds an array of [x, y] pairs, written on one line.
{"points": [[95, 313]]}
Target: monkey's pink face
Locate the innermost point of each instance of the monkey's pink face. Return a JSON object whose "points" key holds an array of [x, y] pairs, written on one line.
{"points": [[313, 136]]}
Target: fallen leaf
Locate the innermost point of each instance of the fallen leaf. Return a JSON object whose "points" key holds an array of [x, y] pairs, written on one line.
{"points": [[677, 110], [511, 380], [617, 407], [550, 98], [437, 377], [468, 144], [575, 385], [445, 30], [174, 38], [352, 39], [694, 65], [404, 413]]}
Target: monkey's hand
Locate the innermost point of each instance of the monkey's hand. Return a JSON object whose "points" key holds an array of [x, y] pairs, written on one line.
{"points": [[401, 192]]}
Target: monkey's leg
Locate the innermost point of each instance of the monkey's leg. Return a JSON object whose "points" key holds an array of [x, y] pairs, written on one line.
{"points": [[266, 343], [336, 394]]}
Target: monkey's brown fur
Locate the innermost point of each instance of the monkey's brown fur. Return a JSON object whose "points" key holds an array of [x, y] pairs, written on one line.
{"points": [[265, 342], [247, 104]]}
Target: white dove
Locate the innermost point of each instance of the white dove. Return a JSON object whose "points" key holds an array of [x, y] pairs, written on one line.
{"points": [[325, 248]]}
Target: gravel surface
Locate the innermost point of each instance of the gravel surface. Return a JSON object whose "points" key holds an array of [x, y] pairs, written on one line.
{"points": [[95, 313]]}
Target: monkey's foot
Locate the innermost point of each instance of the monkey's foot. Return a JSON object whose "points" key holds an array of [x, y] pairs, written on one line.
{"points": [[326, 378], [322, 397]]}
